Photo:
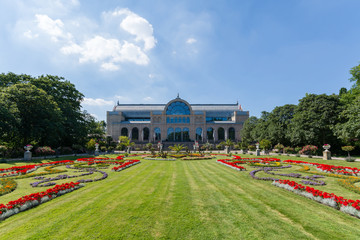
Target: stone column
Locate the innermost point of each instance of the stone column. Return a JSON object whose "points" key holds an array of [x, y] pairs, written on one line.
{"points": [[326, 155]]}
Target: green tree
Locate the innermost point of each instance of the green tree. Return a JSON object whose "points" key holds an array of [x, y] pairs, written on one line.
{"points": [[313, 120], [348, 149], [35, 114], [90, 145], [349, 127], [278, 124], [265, 144], [246, 133], [228, 143], [124, 143]]}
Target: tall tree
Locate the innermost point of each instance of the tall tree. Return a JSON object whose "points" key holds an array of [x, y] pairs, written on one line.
{"points": [[34, 112], [279, 120], [314, 118]]}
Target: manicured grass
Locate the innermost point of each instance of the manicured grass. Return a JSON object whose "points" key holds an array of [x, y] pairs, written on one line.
{"points": [[182, 200]]}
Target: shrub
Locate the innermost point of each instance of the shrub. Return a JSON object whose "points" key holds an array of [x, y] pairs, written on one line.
{"points": [[309, 150], [265, 144], [90, 145], [103, 149], [219, 147], [44, 151], [252, 147], [348, 149], [289, 150], [297, 149], [279, 147], [350, 159], [2, 150], [66, 150]]}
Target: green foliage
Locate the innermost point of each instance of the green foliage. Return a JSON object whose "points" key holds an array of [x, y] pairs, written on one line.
{"points": [[177, 147], [348, 128], [124, 143], [313, 120], [45, 110], [279, 147], [265, 144], [348, 149], [149, 146], [228, 143], [90, 145], [252, 147]]}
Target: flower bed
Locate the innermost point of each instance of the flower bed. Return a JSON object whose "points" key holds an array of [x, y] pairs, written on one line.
{"points": [[348, 206], [32, 200], [341, 170], [161, 159], [7, 186], [226, 162], [198, 158], [125, 165]]}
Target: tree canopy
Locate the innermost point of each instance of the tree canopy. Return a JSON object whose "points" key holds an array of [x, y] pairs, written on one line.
{"points": [[44, 110]]}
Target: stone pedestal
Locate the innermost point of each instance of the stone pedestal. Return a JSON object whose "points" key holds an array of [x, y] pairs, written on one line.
{"points": [[96, 152], [27, 156], [257, 152], [227, 150], [326, 155]]}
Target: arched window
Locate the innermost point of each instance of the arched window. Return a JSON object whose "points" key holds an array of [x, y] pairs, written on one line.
{"points": [[170, 134], [146, 133], [188, 120], [232, 133], [221, 133], [186, 135], [124, 132], [210, 133], [178, 108], [167, 120], [157, 133], [171, 120], [184, 120], [176, 120], [198, 134], [135, 134], [178, 134]]}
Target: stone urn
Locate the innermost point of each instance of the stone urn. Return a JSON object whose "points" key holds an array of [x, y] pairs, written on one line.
{"points": [[326, 153]]}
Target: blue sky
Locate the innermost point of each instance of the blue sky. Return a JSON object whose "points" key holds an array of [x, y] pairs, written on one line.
{"points": [[261, 53]]}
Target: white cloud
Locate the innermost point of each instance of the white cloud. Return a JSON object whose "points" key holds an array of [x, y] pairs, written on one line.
{"points": [[108, 52], [138, 26], [54, 28], [109, 66], [96, 42], [191, 40], [97, 102], [148, 99], [30, 35]]}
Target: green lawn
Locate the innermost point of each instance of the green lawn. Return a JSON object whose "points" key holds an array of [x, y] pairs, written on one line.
{"points": [[181, 200]]}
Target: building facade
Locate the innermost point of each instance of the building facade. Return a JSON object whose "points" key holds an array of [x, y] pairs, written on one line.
{"points": [[176, 121]]}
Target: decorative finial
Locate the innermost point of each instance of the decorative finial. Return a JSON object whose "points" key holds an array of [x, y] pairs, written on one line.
{"points": [[178, 96], [118, 103]]}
